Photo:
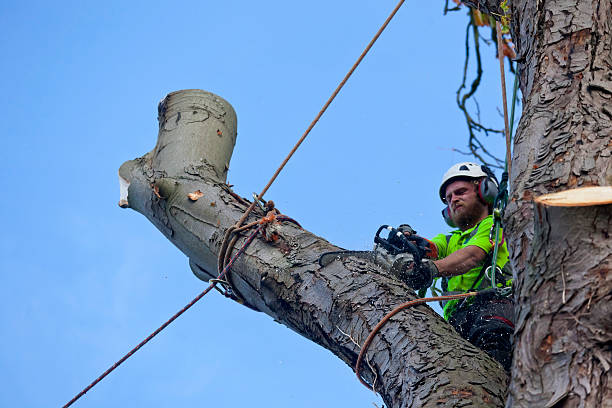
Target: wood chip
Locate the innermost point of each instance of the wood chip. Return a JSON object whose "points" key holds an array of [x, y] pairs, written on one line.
{"points": [[578, 197], [195, 195], [156, 191]]}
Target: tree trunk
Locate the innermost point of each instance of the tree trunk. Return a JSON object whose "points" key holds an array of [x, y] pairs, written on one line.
{"points": [[562, 256], [416, 360]]}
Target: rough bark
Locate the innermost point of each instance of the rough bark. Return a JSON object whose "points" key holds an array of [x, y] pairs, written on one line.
{"points": [[562, 256], [417, 359]]}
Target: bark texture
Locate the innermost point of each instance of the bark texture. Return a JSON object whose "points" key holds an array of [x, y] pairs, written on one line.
{"points": [[562, 256], [416, 360]]}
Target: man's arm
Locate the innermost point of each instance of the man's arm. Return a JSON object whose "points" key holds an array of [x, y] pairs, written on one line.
{"points": [[461, 261]]}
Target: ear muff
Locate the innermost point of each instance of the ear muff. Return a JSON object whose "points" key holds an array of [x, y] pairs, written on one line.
{"points": [[487, 190], [488, 186], [447, 217]]}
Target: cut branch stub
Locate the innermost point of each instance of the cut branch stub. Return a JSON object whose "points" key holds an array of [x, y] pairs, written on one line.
{"points": [[202, 149], [578, 197], [197, 134]]}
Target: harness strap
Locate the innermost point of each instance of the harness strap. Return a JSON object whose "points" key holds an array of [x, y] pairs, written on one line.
{"points": [[476, 284]]}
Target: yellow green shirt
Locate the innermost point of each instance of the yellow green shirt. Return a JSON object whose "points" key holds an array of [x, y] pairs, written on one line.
{"points": [[477, 236]]}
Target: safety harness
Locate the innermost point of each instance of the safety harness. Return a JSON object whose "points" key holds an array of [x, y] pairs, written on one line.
{"points": [[502, 274]]}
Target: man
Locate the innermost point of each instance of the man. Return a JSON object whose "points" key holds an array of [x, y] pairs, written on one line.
{"points": [[469, 191]]}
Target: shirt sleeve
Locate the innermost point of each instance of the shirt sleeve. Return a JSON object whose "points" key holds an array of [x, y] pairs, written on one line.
{"points": [[481, 238], [440, 241]]}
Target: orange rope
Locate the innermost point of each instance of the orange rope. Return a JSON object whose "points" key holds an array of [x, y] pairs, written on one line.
{"points": [[385, 319], [500, 54], [323, 109]]}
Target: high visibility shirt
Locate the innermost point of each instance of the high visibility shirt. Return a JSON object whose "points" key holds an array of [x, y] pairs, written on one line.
{"points": [[456, 240]]}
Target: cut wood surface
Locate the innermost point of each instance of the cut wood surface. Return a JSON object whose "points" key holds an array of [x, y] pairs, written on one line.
{"points": [[578, 197]]}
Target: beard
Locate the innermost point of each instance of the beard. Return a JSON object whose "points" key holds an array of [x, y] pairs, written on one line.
{"points": [[468, 216]]}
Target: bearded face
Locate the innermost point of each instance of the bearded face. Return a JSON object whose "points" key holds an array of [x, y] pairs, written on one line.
{"points": [[466, 208]]}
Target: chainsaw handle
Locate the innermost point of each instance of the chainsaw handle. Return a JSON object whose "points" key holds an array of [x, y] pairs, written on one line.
{"points": [[382, 227], [385, 242], [393, 249]]}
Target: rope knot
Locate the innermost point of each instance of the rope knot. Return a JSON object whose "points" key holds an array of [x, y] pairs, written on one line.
{"points": [[269, 218], [269, 234]]}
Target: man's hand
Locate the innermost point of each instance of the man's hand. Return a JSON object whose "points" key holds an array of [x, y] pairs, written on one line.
{"points": [[426, 248], [406, 229], [417, 276]]}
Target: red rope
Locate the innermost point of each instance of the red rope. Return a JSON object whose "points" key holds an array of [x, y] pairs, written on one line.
{"points": [[385, 319], [173, 318]]}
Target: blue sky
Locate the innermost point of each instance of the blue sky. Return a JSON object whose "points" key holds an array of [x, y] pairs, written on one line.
{"points": [[84, 281]]}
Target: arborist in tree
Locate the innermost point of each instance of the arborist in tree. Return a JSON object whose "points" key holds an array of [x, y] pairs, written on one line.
{"points": [[463, 261]]}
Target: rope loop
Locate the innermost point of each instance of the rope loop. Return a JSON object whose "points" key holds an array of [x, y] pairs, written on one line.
{"points": [[231, 237], [388, 316]]}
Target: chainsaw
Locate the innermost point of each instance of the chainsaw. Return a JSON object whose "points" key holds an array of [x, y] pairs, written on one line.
{"points": [[401, 242]]}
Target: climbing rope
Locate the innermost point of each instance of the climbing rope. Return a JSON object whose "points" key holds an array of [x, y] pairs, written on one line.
{"points": [[385, 319], [259, 228], [500, 55], [321, 112], [501, 200]]}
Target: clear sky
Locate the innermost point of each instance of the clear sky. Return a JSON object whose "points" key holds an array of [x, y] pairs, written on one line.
{"points": [[83, 281]]}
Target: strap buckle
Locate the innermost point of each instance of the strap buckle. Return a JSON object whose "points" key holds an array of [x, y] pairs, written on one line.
{"points": [[502, 291], [505, 291], [488, 272], [260, 202]]}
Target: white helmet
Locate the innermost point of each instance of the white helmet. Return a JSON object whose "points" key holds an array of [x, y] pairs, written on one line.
{"points": [[465, 169]]}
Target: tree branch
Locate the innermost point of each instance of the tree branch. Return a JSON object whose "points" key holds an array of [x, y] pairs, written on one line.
{"points": [[417, 359], [475, 146], [486, 6]]}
